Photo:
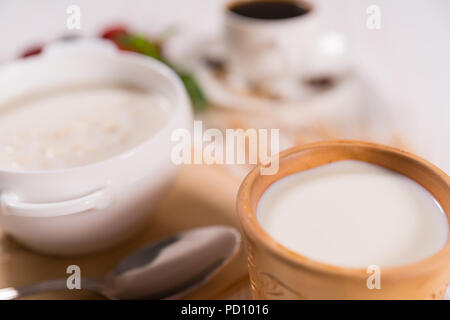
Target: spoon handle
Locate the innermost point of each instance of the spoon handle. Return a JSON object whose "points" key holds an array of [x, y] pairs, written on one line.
{"points": [[45, 286]]}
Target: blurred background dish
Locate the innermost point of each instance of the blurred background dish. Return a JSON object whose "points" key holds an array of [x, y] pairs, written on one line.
{"points": [[406, 87], [324, 106]]}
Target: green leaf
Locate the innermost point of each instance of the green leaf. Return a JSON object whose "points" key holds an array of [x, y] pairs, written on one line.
{"points": [[141, 45], [196, 94]]}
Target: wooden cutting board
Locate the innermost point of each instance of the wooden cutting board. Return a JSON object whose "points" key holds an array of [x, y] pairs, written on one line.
{"points": [[201, 195]]}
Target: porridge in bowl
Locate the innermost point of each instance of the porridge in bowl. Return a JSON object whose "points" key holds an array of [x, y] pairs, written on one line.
{"points": [[77, 126], [62, 114]]}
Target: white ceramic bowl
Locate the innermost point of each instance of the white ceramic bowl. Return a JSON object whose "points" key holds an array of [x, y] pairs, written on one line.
{"points": [[89, 208]]}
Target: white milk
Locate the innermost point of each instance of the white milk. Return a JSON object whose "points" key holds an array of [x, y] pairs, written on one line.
{"points": [[354, 214], [77, 126]]}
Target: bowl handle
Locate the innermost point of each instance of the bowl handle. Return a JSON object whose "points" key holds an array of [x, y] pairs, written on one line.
{"points": [[12, 205]]}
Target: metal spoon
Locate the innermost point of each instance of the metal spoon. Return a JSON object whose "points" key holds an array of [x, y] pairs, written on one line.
{"points": [[165, 269]]}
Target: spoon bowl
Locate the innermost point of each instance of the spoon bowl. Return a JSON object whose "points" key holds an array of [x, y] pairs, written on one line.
{"points": [[174, 266], [168, 268]]}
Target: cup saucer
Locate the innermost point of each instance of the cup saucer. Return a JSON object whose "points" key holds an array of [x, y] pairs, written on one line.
{"points": [[302, 99]]}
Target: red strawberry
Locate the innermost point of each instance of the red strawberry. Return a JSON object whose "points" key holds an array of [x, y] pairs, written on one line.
{"points": [[32, 51], [114, 32]]}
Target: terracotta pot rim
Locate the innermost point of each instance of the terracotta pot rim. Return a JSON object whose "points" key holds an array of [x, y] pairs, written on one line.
{"points": [[257, 234]]}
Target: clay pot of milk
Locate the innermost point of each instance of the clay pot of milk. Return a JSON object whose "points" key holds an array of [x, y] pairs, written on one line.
{"points": [[381, 233]]}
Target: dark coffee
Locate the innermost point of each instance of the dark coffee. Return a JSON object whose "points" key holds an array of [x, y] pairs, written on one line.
{"points": [[269, 10]]}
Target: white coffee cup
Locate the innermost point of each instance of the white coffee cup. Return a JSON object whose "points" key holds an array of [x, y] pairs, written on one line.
{"points": [[262, 50]]}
